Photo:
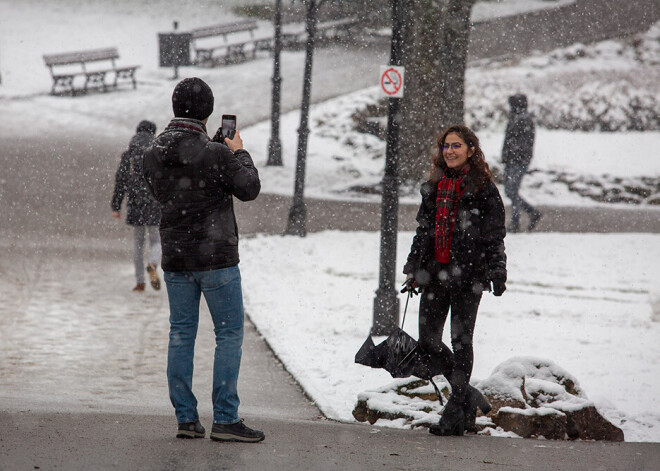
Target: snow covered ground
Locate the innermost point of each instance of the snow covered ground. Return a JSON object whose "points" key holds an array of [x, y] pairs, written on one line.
{"points": [[581, 300]]}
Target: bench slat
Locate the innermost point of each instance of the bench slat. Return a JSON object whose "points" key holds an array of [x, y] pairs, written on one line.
{"points": [[222, 29], [81, 56]]}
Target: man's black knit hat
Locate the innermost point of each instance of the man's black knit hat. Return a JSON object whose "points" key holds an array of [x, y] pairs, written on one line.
{"points": [[146, 126], [192, 98]]}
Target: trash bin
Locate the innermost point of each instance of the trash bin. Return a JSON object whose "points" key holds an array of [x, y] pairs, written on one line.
{"points": [[174, 49]]}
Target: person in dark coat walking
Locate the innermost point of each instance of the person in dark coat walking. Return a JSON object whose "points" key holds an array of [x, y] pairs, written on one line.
{"points": [[517, 153], [143, 211], [456, 254], [195, 180]]}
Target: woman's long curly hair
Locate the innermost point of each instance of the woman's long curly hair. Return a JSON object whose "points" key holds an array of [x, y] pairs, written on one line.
{"points": [[479, 170]]}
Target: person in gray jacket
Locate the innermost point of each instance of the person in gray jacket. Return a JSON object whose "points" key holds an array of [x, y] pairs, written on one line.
{"points": [[142, 210], [195, 181], [517, 153]]}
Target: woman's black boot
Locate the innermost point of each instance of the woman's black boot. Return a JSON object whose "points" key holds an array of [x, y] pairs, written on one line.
{"points": [[474, 400], [452, 421]]}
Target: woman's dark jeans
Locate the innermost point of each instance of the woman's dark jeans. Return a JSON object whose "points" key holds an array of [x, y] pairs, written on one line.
{"points": [[436, 301]]}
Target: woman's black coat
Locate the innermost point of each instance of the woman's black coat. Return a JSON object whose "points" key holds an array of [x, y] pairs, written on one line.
{"points": [[477, 245], [142, 208]]}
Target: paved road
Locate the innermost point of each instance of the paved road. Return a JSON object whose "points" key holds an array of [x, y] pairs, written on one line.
{"points": [[270, 216], [61, 187], [40, 441]]}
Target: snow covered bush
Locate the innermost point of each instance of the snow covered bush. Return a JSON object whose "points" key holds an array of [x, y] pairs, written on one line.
{"points": [[609, 86]]}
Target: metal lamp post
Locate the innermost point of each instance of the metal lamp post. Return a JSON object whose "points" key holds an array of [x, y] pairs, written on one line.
{"points": [[275, 146], [298, 213], [386, 302]]}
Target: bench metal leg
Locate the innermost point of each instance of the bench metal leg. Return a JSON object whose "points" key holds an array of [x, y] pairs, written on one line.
{"points": [[128, 74], [95, 79], [64, 82]]}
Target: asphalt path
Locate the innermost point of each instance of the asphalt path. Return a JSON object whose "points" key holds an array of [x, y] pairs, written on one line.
{"points": [[61, 187], [76, 441]]}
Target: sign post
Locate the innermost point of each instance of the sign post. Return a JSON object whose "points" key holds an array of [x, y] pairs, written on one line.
{"points": [[386, 302]]}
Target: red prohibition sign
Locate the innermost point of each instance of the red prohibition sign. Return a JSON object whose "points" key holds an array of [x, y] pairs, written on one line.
{"points": [[391, 81]]}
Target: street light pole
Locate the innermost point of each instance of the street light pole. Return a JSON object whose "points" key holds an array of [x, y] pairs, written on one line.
{"points": [[298, 213], [275, 146], [176, 66], [386, 302]]}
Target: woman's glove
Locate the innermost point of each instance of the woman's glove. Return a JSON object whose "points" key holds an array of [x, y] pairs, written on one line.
{"points": [[499, 287], [410, 285]]}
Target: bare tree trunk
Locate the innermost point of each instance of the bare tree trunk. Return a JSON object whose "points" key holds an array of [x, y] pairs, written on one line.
{"points": [[435, 57], [454, 60]]}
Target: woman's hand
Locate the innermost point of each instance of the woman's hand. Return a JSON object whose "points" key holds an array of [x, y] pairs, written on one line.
{"points": [[499, 287], [410, 284]]}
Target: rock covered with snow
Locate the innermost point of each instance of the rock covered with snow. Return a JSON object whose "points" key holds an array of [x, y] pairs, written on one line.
{"points": [[531, 397], [535, 397], [408, 402]]}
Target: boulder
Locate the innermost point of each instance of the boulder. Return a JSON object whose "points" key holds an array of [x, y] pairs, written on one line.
{"points": [[534, 422], [525, 390], [531, 397], [588, 424], [412, 400]]}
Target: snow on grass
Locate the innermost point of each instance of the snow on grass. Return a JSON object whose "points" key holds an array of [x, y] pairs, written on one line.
{"points": [[579, 300]]}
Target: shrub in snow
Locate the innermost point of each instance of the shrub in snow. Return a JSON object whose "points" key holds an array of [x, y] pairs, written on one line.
{"points": [[598, 106]]}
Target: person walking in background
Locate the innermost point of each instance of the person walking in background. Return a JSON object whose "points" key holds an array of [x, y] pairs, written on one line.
{"points": [[456, 254], [195, 179], [143, 211], [517, 154]]}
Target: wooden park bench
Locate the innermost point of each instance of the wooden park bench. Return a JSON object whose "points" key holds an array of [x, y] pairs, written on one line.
{"points": [[231, 50], [335, 29], [296, 35], [94, 65]]}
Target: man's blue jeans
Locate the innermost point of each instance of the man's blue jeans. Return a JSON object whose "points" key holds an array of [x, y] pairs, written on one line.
{"points": [[224, 297]]}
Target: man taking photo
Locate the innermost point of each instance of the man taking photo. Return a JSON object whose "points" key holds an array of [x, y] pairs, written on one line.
{"points": [[195, 179]]}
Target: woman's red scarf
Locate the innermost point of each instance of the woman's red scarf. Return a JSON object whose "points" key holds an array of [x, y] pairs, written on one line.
{"points": [[450, 189]]}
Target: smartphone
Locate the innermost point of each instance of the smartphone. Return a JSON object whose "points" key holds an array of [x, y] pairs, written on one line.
{"points": [[228, 125]]}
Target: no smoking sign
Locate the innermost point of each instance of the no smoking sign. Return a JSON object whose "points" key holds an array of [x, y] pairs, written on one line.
{"points": [[391, 81]]}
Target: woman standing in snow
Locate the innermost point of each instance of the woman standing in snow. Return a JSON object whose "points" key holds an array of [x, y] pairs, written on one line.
{"points": [[456, 254]]}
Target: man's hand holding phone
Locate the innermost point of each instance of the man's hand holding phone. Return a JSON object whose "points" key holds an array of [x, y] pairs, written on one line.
{"points": [[228, 134], [236, 143]]}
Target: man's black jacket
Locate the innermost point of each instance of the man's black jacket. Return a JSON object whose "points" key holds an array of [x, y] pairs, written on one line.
{"points": [[477, 246], [518, 147], [195, 180]]}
